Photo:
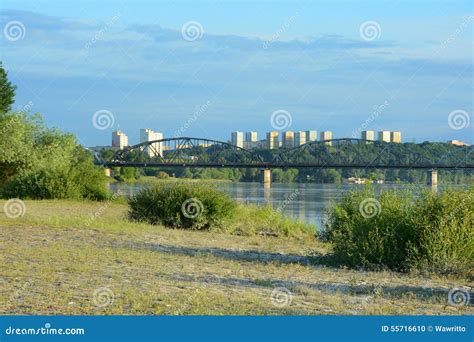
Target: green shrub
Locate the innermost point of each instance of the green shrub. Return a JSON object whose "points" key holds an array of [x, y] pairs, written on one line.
{"points": [[38, 162], [181, 205], [408, 230]]}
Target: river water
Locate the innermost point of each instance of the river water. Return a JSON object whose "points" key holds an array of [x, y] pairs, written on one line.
{"points": [[306, 202]]}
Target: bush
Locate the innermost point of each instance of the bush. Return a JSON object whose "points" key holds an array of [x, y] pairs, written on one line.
{"points": [[38, 162], [181, 205], [404, 230]]}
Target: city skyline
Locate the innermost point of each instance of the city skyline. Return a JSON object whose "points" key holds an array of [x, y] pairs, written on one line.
{"points": [[250, 139], [412, 75]]}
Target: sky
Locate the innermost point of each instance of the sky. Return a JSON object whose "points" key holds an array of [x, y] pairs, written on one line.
{"points": [[206, 68]]}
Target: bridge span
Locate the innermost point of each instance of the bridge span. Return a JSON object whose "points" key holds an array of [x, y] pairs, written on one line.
{"points": [[187, 152]]}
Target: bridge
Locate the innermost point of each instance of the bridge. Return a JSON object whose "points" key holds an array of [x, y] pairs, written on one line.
{"points": [[335, 153]]}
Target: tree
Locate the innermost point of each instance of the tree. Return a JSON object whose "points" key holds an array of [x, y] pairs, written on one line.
{"points": [[7, 91]]}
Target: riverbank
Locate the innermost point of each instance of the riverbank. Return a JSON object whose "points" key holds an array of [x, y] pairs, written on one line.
{"points": [[57, 260]]}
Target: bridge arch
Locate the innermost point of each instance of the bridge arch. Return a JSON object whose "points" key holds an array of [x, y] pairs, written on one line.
{"points": [[182, 150]]}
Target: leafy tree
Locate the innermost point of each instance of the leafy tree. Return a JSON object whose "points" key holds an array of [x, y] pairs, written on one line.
{"points": [[40, 162], [7, 91]]}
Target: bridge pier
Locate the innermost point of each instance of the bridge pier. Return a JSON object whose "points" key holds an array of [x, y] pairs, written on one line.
{"points": [[108, 172], [267, 178], [433, 177]]}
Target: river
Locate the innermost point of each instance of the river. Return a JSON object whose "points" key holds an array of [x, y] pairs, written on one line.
{"points": [[301, 201]]}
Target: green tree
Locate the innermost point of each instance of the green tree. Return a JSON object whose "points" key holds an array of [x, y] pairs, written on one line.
{"points": [[7, 93]]}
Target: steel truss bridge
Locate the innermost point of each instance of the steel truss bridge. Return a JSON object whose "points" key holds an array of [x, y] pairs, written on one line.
{"points": [[336, 153]]}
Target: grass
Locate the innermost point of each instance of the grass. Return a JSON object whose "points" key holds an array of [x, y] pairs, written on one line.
{"points": [[55, 257]]}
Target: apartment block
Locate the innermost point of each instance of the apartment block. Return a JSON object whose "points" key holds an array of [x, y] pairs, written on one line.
{"points": [[155, 149], [300, 138], [367, 135], [288, 139], [251, 140], [311, 136], [396, 137], [326, 135], [119, 139], [384, 136], [237, 139], [272, 140]]}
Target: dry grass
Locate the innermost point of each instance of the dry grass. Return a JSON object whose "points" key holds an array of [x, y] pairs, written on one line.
{"points": [[54, 258]]}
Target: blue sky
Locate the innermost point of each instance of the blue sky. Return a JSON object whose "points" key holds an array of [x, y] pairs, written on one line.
{"points": [[310, 59]]}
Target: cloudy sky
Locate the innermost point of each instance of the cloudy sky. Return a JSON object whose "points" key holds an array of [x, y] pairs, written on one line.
{"points": [[206, 68]]}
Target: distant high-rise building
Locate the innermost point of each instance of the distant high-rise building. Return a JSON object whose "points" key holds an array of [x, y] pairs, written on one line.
{"points": [[457, 143], [288, 139], [155, 149], [300, 138], [251, 140], [272, 140], [384, 136], [396, 137], [251, 136], [311, 136], [119, 139], [238, 139], [368, 135], [326, 135]]}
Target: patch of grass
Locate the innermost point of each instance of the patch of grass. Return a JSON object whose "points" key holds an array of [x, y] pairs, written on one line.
{"points": [[265, 221]]}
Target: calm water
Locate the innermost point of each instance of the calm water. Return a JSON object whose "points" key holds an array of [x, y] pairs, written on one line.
{"points": [[306, 201]]}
